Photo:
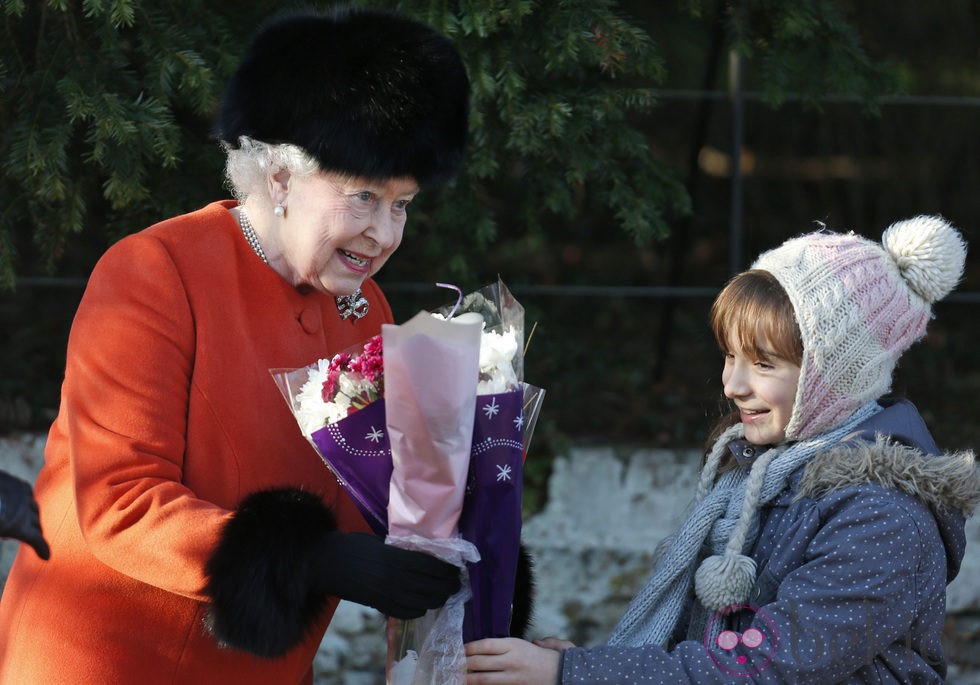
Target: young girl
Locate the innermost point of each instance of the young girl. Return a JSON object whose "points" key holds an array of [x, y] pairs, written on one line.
{"points": [[826, 524]]}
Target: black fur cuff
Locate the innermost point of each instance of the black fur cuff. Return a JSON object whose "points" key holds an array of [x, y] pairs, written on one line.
{"points": [[261, 576], [523, 607]]}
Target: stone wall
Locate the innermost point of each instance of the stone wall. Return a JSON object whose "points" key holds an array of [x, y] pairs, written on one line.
{"points": [[592, 545]]}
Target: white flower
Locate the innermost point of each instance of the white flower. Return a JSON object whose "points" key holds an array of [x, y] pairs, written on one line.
{"points": [[497, 352], [351, 385], [312, 412]]}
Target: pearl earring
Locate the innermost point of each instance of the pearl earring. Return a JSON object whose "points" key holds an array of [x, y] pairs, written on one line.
{"points": [[279, 210]]}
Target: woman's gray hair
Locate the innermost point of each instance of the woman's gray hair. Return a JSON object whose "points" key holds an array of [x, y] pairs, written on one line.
{"points": [[248, 166]]}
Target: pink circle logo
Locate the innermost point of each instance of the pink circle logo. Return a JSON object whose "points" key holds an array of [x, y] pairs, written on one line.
{"points": [[742, 654]]}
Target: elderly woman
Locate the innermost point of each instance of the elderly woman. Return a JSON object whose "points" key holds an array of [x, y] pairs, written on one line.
{"points": [[195, 535]]}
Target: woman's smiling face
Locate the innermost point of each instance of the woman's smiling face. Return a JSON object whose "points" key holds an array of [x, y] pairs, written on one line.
{"points": [[763, 389], [337, 231]]}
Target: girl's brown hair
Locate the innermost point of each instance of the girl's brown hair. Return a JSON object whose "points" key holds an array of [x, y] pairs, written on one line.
{"points": [[754, 307]]}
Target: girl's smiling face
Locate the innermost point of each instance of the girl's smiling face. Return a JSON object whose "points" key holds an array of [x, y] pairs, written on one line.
{"points": [[755, 326], [337, 231], [763, 389]]}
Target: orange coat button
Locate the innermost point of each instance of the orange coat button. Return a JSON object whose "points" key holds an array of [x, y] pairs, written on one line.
{"points": [[309, 319]]}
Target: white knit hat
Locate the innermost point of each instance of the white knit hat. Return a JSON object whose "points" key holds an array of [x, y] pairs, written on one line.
{"points": [[859, 305]]}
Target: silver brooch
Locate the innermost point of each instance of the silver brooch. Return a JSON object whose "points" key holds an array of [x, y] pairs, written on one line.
{"points": [[355, 305]]}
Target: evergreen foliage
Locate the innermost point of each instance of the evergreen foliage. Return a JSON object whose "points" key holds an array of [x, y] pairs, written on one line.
{"points": [[807, 47], [104, 116], [106, 107], [554, 85]]}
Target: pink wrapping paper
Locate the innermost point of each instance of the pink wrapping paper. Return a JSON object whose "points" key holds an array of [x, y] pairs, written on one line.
{"points": [[431, 371]]}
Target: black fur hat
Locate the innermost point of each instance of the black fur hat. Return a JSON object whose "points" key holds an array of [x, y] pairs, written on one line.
{"points": [[364, 91]]}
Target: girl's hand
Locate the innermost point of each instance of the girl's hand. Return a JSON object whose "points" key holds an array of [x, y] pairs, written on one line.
{"points": [[511, 661], [553, 643]]}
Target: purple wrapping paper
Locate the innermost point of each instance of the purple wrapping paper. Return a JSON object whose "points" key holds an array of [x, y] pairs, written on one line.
{"points": [[491, 516], [357, 451]]}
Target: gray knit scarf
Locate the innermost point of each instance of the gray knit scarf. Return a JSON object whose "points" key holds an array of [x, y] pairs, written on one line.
{"points": [[723, 520]]}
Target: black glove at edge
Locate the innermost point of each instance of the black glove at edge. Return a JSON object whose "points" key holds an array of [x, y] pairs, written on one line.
{"points": [[19, 515], [402, 583]]}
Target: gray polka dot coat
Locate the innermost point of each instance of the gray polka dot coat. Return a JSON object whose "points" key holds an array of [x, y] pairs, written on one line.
{"points": [[853, 562]]}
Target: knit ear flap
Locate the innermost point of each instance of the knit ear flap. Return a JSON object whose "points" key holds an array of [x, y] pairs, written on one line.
{"points": [[725, 579], [707, 479]]}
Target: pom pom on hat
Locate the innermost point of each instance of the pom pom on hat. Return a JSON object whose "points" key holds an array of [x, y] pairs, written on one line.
{"points": [[930, 255], [365, 92], [859, 305]]}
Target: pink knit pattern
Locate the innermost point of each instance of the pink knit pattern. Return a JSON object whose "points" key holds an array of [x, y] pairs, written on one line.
{"points": [[856, 316]]}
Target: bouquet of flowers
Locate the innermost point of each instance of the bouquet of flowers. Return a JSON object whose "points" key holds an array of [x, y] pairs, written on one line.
{"points": [[426, 427]]}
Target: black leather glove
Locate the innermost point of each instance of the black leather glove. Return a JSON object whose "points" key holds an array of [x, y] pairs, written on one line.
{"points": [[402, 583], [19, 517]]}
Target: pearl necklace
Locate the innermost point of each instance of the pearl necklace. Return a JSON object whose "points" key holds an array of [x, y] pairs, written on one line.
{"points": [[250, 235], [355, 304]]}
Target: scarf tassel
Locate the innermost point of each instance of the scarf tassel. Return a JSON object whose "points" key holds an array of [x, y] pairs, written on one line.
{"points": [[723, 580]]}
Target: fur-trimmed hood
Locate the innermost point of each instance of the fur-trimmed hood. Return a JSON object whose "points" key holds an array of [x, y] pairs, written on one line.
{"points": [[948, 481], [895, 450]]}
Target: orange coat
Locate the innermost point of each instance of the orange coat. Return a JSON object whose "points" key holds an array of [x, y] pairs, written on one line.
{"points": [[168, 418]]}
